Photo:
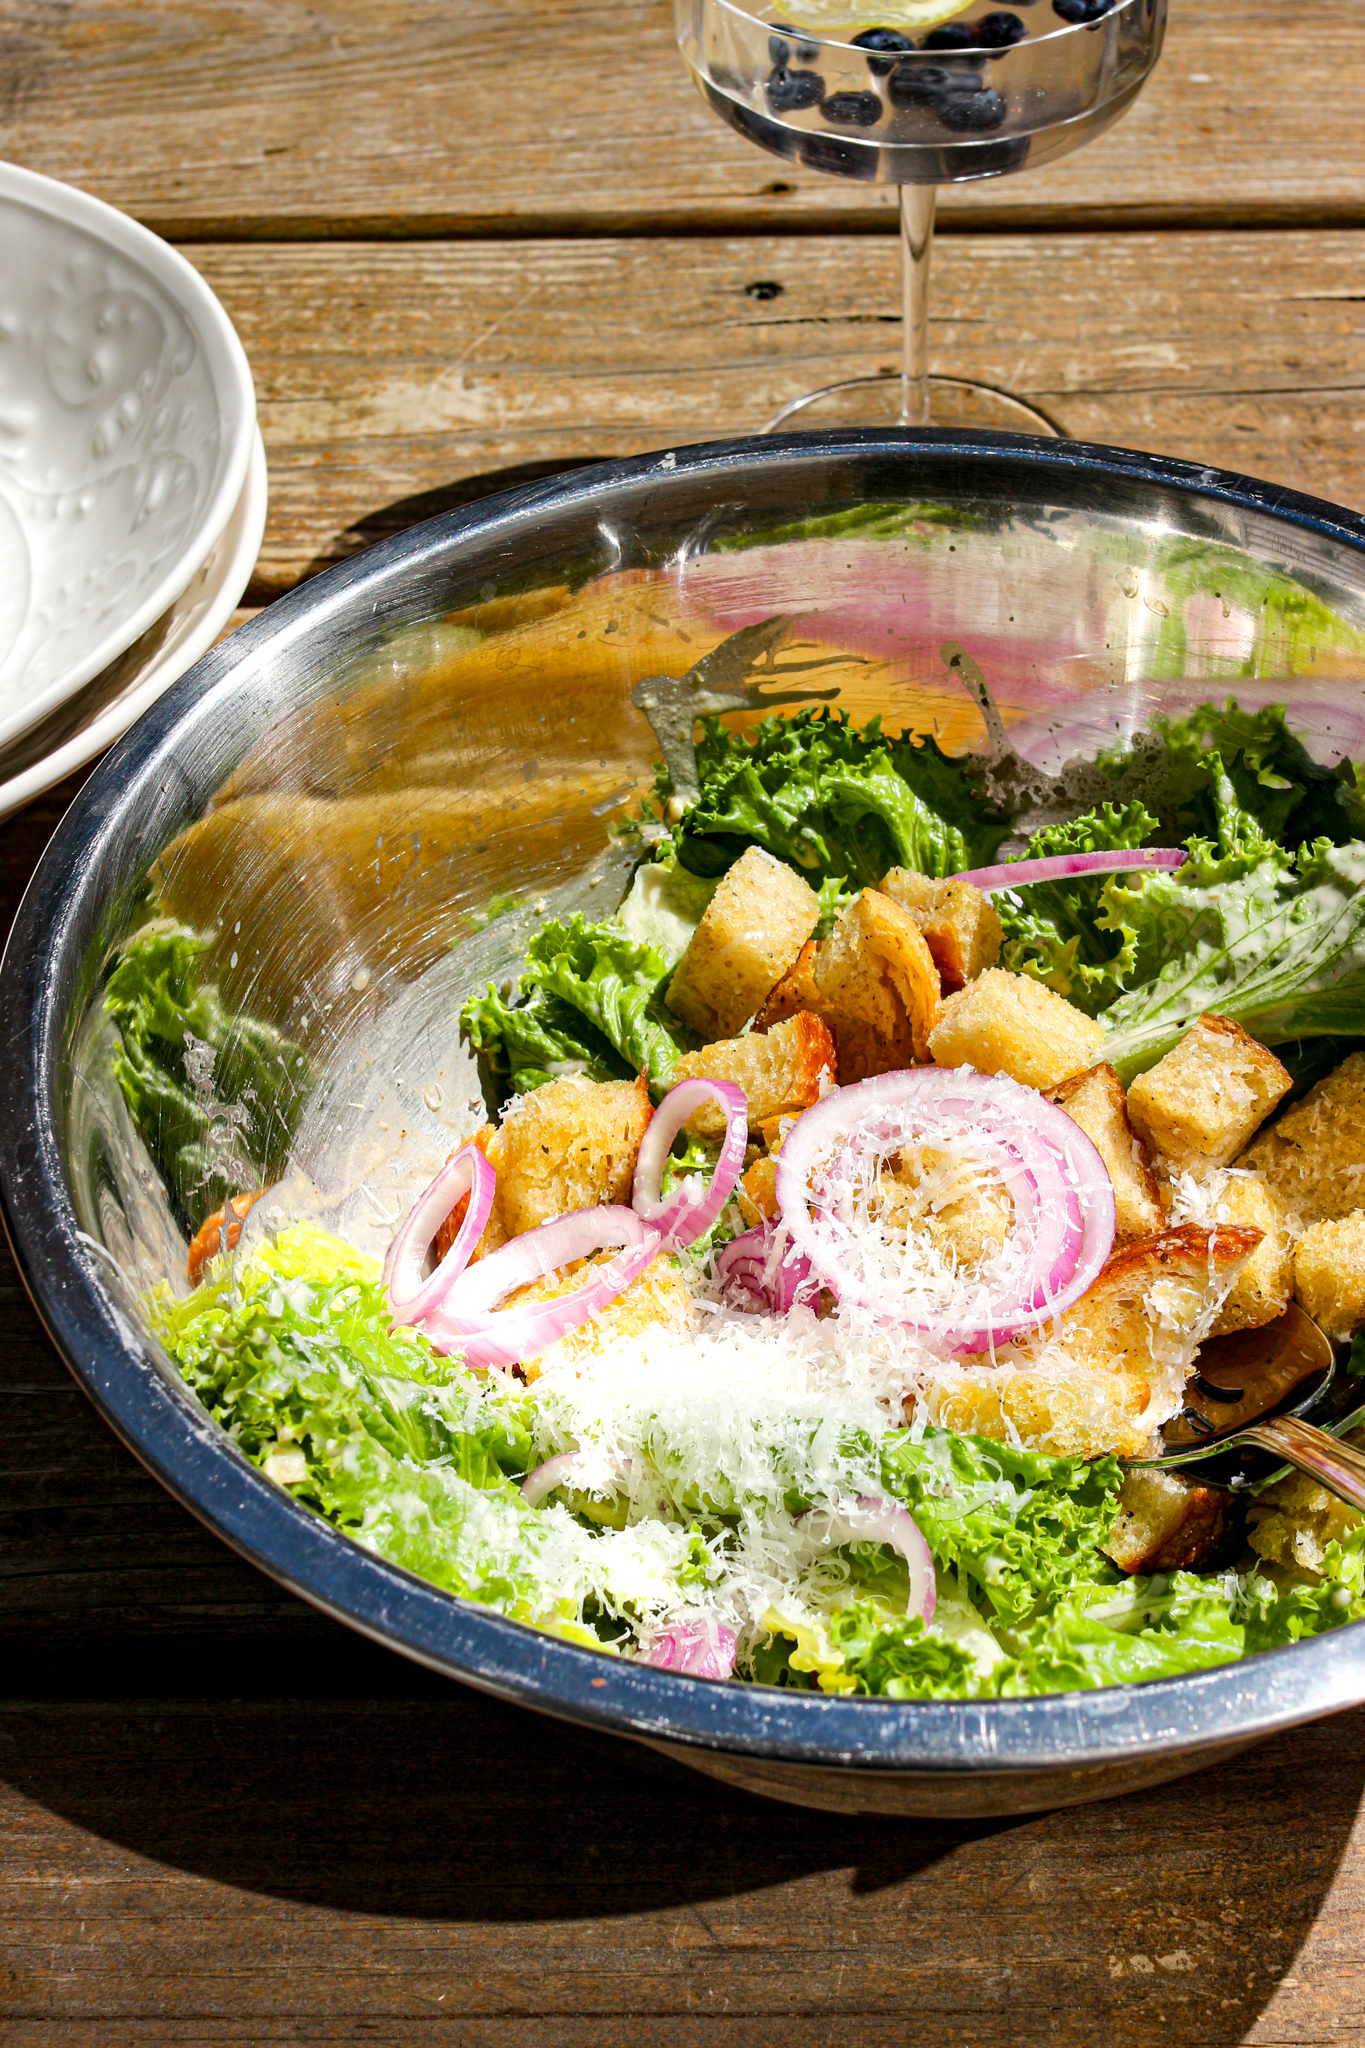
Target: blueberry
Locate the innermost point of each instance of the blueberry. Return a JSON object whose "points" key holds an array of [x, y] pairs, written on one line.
{"points": [[790, 90], [1000, 32], [779, 53], [806, 51], [930, 85], [952, 36], [852, 109], [882, 39], [974, 112], [1079, 11]]}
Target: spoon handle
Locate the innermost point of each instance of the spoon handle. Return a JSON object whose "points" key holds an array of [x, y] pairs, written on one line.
{"points": [[1340, 1467]]}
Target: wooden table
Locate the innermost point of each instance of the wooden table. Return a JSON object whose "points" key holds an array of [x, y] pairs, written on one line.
{"points": [[464, 246]]}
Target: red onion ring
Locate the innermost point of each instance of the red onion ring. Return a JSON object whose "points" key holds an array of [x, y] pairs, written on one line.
{"points": [[688, 1213], [469, 1320], [761, 1269], [692, 1647], [869, 1519], [1056, 1179], [1067, 867], [558, 1471], [466, 1173]]}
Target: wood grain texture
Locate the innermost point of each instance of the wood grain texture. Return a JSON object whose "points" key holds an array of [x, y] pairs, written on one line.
{"points": [[396, 380], [190, 1872], [313, 117]]}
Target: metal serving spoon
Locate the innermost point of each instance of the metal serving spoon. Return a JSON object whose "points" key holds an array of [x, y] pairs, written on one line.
{"points": [[1252, 1391]]}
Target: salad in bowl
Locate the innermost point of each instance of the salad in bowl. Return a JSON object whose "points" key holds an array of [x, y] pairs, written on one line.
{"points": [[835, 1203]]}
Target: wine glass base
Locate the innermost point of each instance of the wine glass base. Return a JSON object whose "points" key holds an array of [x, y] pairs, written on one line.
{"points": [[877, 402]]}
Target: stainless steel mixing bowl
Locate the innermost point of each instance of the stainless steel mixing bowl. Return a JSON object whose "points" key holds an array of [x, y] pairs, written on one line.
{"points": [[340, 794]]}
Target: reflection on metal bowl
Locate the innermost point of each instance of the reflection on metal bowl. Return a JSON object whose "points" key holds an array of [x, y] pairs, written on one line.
{"points": [[365, 798]]}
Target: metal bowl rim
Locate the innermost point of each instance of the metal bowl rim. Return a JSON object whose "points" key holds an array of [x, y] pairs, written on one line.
{"points": [[163, 1426]]}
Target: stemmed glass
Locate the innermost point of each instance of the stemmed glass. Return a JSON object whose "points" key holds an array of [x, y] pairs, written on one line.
{"points": [[990, 91]]}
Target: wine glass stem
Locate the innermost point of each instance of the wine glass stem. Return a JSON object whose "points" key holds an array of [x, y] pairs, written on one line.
{"points": [[917, 241]]}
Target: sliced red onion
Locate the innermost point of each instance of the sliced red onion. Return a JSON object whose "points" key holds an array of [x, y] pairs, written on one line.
{"points": [[466, 1173], [869, 1519], [560, 1471], [762, 1269], [470, 1321], [1067, 867], [1056, 1179], [688, 1213], [700, 1649]]}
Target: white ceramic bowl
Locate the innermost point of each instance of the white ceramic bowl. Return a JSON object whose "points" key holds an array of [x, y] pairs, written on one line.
{"points": [[127, 415]]}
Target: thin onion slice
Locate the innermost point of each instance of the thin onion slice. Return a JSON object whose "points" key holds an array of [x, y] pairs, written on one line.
{"points": [[1059, 1185], [560, 1470], [762, 1269], [701, 1649], [1070, 867], [411, 1298], [469, 1319], [688, 1213], [869, 1519]]}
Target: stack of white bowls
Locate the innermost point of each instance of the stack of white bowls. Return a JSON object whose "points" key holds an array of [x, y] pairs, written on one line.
{"points": [[132, 476]]}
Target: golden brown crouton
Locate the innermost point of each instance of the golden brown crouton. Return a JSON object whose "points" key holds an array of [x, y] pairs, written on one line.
{"points": [[750, 933], [796, 991], [1047, 1406], [780, 1071], [757, 1190], [879, 987], [1329, 1274], [570, 1144], [1200, 1104], [1168, 1523], [1154, 1291], [961, 926], [1007, 1024], [658, 1299], [944, 1200], [1293, 1522], [1313, 1157], [1110, 1370], [1261, 1291], [1095, 1102]]}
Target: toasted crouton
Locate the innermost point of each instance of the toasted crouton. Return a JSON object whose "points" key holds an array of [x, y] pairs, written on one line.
{"points": [[1329, 1274], [658, 1298], [1200, 1104], [1261, 1291], [961, 926], [1007, 1024], [1110, 1370], [750, 933], [1313, 1157], [1168, 1523], [879, 987], [570, 1144], [756, 1193], [1094, 1101], [1293, 1522], [796, 991], [780, 1071]]}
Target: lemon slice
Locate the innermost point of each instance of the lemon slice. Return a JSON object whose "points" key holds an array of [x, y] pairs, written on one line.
{"points": [[832, 17]]}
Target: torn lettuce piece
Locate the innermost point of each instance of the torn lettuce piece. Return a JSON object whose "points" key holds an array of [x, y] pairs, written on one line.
{"points": [[664, 905], [1279, 947], [1053, 931], [835, 801], [216, 1095], [590, 1001]]}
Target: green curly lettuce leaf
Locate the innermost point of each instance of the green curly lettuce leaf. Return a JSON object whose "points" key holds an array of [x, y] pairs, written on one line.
{"points": [[1053, 931], [1275, 941], [215, 1095], [834, 800], [590, 1000]]}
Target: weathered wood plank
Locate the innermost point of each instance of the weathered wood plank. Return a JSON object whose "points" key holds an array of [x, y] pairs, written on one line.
{"points": [[386, 373], [194, 1872], [308, 117]]}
